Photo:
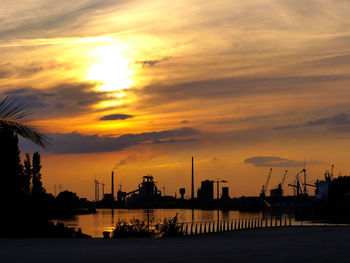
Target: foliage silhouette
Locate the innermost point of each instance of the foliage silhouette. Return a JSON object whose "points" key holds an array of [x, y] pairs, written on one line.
{"points": [[26, 207], [136, 228], [12, 116], [169, 227], [139, 228]]}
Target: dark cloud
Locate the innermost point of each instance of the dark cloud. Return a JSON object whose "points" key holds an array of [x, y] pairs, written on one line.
{"points": [[338, 122], [274, 161], [233, 87], [63, 99], [151, 63], [64, 143], [113, 117]]}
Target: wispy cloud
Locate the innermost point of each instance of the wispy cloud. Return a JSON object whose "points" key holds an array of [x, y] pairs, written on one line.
{"points": [[274, 161], [114, 117], [153, 62], [65, 99], [63, 143], [338, 122]]}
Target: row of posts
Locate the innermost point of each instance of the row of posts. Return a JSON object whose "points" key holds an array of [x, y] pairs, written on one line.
{"points": [[205, 227]]}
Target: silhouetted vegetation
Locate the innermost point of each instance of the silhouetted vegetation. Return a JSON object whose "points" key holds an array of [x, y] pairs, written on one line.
{"points": [[134, 228], [139, 228], [66, 203], [169, 227], [26, 207]]}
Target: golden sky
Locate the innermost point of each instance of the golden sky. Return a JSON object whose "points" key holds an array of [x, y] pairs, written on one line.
{"points": [[141, 86]]}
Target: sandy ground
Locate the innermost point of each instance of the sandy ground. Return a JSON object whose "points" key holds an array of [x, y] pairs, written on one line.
{"points": [[295, 244]]}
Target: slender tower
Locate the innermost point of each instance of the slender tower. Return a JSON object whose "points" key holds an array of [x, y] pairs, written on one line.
{"points": [[112, 186], [192, 185]]}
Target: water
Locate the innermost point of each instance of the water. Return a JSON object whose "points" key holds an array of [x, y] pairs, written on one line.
{"points": [[105, 219]]}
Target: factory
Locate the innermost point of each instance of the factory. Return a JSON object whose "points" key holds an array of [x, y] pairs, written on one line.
{"points": [[148, 194]]}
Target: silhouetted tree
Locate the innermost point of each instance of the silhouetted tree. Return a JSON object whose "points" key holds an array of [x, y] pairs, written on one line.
{"points": [[27, 175], [67, 202], [15, 180], [37, 189], [10, 167]]}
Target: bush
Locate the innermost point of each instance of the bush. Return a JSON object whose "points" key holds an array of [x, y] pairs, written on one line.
{"points": [[169, 227], [138, 228]]}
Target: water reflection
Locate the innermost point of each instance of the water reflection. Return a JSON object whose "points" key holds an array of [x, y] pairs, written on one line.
{"points": [[105, 219]]}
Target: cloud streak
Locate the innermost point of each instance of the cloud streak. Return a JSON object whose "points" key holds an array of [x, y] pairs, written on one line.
{"points": [[338, 122], [274, 161], [152, 63], [114, 117], [65, 99], [66, 143]]}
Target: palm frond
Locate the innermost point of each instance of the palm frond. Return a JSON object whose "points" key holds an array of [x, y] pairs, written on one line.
{"points": [[11, 117], [11, 110]]}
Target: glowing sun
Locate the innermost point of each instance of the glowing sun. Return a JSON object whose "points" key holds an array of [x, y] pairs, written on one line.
{"points": [[110, 66]]}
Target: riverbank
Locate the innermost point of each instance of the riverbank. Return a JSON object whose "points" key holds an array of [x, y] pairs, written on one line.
{"points": [[294, 244]]}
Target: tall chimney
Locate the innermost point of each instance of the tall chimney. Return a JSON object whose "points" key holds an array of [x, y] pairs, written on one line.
{"points": [[112, 186], [192, 185]]}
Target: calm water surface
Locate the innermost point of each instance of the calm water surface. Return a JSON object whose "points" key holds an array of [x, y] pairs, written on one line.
{"points": [[105, 219]]}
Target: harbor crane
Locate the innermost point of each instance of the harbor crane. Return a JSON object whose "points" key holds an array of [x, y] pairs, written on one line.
{"points": [[264, 187], [298, 183], [284, 177], [278, 191]]}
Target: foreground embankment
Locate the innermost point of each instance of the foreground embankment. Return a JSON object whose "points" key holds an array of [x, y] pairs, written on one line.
{"points": [[290, 244]]}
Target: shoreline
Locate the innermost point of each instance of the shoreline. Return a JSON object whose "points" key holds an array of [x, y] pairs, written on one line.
{"points": [[292, 244]]}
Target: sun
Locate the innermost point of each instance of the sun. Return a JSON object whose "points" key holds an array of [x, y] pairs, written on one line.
{"points": [[110, 66]]}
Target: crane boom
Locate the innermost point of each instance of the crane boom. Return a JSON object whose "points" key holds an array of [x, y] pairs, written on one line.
{"points": [[284, 177], [268, 179]]}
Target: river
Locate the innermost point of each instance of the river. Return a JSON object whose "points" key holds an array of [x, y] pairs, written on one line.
{"points": [[105, 219]]}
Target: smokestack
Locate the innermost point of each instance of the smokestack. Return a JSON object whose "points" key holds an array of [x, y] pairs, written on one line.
{"points": [[192, 185], [112, 186]]}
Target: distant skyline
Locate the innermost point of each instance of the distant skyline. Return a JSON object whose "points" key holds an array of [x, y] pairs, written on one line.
{"points": [[141, 86]]}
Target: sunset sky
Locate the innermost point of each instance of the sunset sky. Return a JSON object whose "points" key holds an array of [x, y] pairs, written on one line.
{"points": [[141, 86]]}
